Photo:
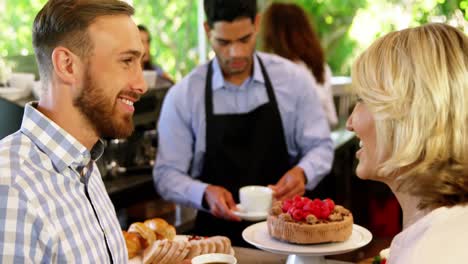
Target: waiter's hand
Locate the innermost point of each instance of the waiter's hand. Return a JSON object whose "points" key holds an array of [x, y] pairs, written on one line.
{"points": [[221, 202], [292, 183]]}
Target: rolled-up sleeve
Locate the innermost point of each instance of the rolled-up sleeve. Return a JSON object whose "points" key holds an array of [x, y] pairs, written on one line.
{"points": [[175, 153], [312, 133]]}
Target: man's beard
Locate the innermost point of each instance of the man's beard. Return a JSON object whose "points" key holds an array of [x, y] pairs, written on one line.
{"points": [[100, 110]]}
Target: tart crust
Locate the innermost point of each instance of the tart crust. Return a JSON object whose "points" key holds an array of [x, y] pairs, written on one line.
{"points": [[304, 233]]}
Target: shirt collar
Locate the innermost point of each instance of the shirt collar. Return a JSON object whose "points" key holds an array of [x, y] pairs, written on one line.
{"points": [[218, 78], [62, 148]]}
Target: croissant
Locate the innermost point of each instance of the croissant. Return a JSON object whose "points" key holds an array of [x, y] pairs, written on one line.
{"points": [[147, 234], [152, 242], [132, 240], [161, 228], [165, 251]]}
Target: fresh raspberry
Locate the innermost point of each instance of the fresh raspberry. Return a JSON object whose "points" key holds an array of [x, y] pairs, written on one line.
{"points": [[308, 206], [299, 207], [286, 205], [330, 203], [299, 204], [316, 211], [298, 215], [291, 210], [317, 202], [324, 213], [297, 198]]}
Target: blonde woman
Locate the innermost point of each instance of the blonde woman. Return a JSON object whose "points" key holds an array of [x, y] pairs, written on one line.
{"points": [[412, 120]]}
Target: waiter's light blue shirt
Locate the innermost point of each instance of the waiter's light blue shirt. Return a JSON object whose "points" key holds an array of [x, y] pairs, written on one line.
{"points": [[182, 124]]}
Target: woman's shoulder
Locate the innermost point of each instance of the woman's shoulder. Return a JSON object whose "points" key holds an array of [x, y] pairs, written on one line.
{"points": [[446, 240], [450, 218]]}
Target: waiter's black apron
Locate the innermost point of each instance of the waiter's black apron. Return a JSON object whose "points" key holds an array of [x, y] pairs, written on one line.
{"points": [[241, 149]]}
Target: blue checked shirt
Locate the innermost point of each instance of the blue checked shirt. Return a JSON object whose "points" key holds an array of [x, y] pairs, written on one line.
{"points": [[54, 207]]}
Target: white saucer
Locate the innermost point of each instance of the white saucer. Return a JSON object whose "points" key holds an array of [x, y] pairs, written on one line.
{"points": [[214, 258], [250, 216], [257, 235]]}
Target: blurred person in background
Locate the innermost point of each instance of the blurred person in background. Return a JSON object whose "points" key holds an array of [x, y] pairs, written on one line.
{"points": [[412, 121], [54, 207], [287, 32], [147, 62], [244, 118]]}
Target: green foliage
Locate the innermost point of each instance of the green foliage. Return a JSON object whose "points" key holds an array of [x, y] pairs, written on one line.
{"points": [[332, 20], [16, 25], [173, 27], [346, 27]]}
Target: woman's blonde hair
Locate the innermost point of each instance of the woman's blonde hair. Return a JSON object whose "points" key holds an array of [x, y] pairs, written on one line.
{"points": [[415, 82]]}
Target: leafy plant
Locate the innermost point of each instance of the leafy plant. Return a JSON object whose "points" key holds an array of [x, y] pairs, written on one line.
{"points": [[346, 27]]}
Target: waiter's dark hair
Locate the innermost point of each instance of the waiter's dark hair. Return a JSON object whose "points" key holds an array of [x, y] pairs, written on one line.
{"points": [[65, 23], [229, 10]]}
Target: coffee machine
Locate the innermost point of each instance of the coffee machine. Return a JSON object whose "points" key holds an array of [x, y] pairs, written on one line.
{"points": [[135, 154]]}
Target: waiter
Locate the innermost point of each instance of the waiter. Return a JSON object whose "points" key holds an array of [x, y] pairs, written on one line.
{"points": [[245, 118]]}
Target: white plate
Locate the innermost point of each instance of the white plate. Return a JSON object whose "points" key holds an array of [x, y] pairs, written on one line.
{"points": [[136, 260], [250, 216], [257, 235], [214, 258]]}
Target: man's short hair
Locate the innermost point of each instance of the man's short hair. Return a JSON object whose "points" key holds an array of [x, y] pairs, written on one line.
{"points": [[65, 23], [229, 10]]}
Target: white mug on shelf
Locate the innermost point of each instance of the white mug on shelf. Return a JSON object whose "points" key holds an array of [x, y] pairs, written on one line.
{"points": [[20, 80], [150, 78]]}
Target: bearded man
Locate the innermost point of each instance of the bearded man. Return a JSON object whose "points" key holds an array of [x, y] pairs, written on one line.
{"points": [[54, 207]]}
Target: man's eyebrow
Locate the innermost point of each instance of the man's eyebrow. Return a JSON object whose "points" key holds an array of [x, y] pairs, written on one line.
{"points": [[135, 53], [246, 36], [223, 40], [241, 38]]}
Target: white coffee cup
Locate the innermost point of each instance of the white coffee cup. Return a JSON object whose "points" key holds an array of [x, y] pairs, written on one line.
{"points": [[254, 198], [150, 78], [214, 258]]}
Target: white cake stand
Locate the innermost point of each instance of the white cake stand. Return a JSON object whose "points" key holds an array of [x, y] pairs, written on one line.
{"points": [[257, 235]]}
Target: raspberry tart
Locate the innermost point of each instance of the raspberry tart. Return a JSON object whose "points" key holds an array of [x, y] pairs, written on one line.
{"points": [[304, 221]]}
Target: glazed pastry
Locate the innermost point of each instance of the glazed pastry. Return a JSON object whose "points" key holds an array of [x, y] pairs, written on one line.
{"points": [[146, 233], [152, 242], [132, 240], [161, 228]]}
